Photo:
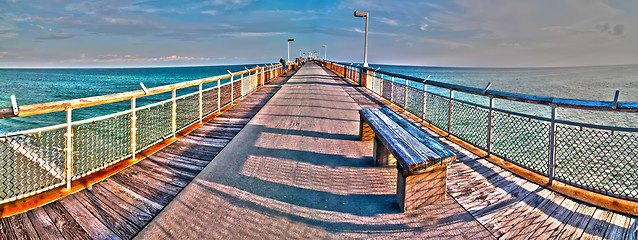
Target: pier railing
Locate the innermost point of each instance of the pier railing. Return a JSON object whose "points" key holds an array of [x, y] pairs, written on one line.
{"points": [[597, 158], [37, 160]]}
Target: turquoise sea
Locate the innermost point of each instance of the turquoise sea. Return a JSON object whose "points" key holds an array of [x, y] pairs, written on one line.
{"points": [[592, 83]]}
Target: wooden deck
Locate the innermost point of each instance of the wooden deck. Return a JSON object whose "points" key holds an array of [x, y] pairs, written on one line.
{"points": [[120, 206], [294, 169]]}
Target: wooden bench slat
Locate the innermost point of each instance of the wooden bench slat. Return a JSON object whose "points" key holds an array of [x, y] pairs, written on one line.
{"points": [[401, 152], [418, 134], [426, 157]]}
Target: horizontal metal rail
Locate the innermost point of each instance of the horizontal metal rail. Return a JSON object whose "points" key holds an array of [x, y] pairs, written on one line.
{"points": [[559, 102]]}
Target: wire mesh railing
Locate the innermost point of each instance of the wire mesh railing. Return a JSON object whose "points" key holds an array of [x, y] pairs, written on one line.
{"points": [[597, 158], [37, 160]]}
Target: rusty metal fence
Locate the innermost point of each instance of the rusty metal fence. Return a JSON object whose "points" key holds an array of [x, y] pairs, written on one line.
{"points": [[598, 158], [37, 160]]}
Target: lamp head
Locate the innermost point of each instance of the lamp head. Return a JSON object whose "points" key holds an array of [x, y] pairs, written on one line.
{"points": [[360, 14], [291, 40]]}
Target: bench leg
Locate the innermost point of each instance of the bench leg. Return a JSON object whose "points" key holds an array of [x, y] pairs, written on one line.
{"points": [[420, 190], [365, 132], [381, 155]]}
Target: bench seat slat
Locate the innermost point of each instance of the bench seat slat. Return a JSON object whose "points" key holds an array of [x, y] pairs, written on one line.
{"points": [[418, 134], [426, 155], [399, 150]]}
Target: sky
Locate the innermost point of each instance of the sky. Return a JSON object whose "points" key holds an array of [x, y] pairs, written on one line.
{"points": [[486, 33]]}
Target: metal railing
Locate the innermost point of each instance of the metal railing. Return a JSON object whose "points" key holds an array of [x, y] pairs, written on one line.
{"points": [[37, 160], [597, 158]]}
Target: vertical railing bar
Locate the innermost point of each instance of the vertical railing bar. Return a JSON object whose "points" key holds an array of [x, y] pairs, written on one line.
{"points": [[174, 113], [392, 90], [425, 94], [133, 128], [219, 92], [449, 114], [552, 146], [490, 124], [201, 113], [69, 148], [405, 95], [232, 89]]}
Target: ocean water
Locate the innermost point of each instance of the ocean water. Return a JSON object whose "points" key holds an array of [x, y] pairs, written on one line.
{"points": [[589, 83], [592, 83], [32, 86]]}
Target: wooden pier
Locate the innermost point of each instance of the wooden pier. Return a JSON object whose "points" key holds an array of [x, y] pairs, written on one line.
{"points": [[286, 163]]}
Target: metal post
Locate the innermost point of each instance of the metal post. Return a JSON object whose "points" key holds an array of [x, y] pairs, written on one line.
{"points": [[232, 88], [392, 89], [405, 103], [263, 77], [200, 102], [69, 148], [425, 94], [552, 146], [174, 113], [219, 92], [449, 114], [133, 129], [490, 123]]}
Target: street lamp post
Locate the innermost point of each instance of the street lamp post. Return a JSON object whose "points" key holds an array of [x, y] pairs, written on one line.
{"points": [[365, 47], [324, 52], [289, 40]]}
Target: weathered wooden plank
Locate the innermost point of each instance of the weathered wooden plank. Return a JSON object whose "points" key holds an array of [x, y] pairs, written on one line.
{"points": [[617, 227], [527, 227], [180, 158], [17, 227], [490, 213], [573, 229], [598, 224], [133, 214], [109, 217], [43, 224], [556, 219], [632, 229], [93, 227], [418, 134], [517, 212], [130, 196], [161, 176], [156, 195], [68, 227]]}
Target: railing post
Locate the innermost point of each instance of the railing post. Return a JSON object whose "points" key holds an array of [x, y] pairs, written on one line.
{"points": [[490, 124], [174, 113], [449, 114], [219, 98], [69, 148], [425, 94], [552, 146], [392, 90], [133, 129], [263, 77], [200, 102], [405, 103], [232, 88]]}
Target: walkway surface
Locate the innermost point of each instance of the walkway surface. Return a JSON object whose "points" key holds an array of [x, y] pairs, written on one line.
{"points": [[297, 171]]}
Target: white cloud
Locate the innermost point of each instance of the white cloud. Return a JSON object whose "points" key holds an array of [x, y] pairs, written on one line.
{"points": [[424, 27], [378, 33], [250, 34], [8, 35], [114, 58], [388, 21]]}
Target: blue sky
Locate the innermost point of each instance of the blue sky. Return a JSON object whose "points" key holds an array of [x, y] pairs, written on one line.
{"points": [[485, 33]]}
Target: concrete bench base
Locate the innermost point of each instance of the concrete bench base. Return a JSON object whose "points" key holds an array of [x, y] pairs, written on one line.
{"points": [[381, 154], [419, 190]]}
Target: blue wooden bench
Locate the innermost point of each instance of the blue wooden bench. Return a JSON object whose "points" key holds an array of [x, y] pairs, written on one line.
{"points": [[421, 161]]}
